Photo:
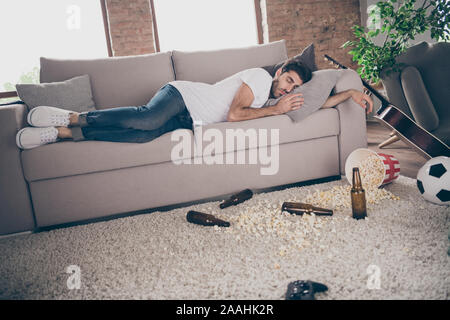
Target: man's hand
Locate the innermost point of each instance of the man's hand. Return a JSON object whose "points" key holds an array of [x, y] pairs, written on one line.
{"points": [[289, 102], [240, 110], [360, 98]]}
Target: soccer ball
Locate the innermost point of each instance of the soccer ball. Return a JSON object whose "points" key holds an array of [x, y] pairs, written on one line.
{"points": [[433, 180]]}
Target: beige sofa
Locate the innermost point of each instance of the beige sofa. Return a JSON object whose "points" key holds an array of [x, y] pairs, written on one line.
{"points": [[68, 181]]}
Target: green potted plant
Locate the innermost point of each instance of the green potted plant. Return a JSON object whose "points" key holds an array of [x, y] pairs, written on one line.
{"points": [[398, 22]]}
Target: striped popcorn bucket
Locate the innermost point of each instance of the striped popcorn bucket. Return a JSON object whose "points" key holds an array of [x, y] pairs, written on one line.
{"points": [[390, 165]]}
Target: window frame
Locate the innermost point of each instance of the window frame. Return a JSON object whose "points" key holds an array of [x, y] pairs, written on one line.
{"points": [[12, 94], [258, 16]]}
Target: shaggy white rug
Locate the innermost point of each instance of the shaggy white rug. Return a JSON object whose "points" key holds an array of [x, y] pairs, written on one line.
{"points": [[399, 252]]}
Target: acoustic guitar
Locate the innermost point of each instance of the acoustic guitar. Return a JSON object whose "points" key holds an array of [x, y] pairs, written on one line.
{"points": [[422, 141]]}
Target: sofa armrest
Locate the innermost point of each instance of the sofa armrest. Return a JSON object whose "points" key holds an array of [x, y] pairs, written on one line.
{"points": [[16, 214], [16, 114], [353, 130]]}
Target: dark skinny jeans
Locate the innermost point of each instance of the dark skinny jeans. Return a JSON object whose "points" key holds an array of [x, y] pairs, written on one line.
{"points": [[165, 112]]}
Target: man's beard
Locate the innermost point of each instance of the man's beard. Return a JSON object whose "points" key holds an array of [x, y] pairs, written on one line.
{"points": [[273, 88]]}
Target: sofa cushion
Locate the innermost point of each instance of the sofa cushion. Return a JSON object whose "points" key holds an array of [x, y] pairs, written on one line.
{"points": [[116, 81], [289, 131], [67, 158], [419, 101], [74, 94], [216, 65]]}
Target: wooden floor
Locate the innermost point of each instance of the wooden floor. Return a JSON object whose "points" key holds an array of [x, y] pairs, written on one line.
{"points": [[410, 161]]}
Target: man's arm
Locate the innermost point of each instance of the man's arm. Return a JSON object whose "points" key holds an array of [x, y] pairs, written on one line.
{"points": [[357, 96], [240, 110]]}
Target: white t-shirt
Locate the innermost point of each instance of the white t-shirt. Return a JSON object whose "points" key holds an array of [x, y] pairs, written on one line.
{"points": [[209, 103]]}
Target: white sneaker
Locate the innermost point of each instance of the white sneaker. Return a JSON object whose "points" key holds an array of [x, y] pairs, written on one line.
{"points": [[48, 117], [28, 138]]}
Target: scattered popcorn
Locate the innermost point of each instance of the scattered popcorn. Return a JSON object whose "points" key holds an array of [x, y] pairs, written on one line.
{"points": [[371, 170], [339, 197], [311, 219], [264, 219]]}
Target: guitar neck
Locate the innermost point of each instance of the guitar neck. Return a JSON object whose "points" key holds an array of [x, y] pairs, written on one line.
{"points": [[384, 102]]}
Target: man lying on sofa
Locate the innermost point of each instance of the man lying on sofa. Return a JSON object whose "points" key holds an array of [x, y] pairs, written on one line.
{"points": [[179, 104]]}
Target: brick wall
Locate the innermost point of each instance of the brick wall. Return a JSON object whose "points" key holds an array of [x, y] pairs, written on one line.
{"points": [[130, 26], [326, 23]]}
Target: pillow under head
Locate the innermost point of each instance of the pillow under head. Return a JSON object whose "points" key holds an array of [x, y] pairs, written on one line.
{"points": [[315, 93]]}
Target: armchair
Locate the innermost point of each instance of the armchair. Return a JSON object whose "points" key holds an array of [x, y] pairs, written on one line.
{"points": [[422, 88]]}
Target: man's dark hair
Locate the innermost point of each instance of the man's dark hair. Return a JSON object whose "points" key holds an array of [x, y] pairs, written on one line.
{"points": [[299, 67]]}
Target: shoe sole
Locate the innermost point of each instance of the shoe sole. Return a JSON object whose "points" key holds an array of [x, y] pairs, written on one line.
{"points": [[29, 117], [18, 135]]}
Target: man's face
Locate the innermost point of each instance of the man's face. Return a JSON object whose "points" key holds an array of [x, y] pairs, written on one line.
{"points": [[284, 83]]}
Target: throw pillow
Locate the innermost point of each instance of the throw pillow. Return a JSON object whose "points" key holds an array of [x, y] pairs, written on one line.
{"points": [[307, 56], [74, 94], [315, 93]]}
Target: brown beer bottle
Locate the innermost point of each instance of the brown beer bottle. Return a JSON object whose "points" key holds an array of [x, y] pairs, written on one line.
{"points": [[300, 208], [237, 198], [358, 196], [205, 219]]}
